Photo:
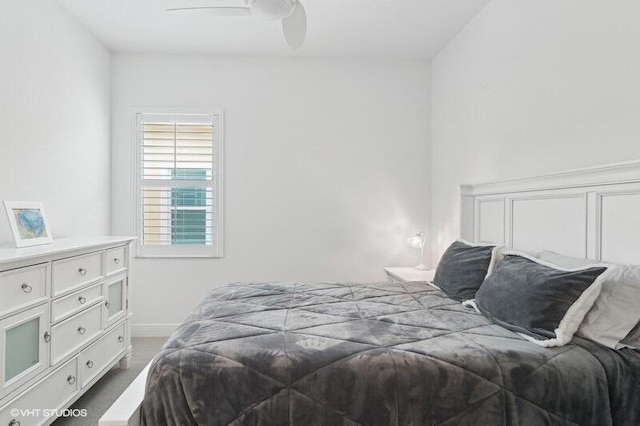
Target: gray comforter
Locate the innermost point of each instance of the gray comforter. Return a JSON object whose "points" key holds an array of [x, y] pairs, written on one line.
{"points": [[375, 354]]}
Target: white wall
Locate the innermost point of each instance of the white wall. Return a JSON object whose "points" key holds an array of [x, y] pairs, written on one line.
{"points": [[54, 117], [530, 87], [327, 169]]}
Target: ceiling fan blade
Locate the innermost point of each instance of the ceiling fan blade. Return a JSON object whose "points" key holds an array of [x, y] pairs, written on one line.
{"points": [[295, 27], [212, 11]]}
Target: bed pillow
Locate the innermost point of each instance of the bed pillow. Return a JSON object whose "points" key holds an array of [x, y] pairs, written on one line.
{"points": [[616, 311], [463, 268], [543, 302]]}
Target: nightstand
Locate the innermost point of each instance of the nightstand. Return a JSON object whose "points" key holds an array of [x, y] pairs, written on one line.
{"points": [[406, 274]]}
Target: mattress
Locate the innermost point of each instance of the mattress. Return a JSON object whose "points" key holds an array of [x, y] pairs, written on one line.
{"points": [[375, 354]]}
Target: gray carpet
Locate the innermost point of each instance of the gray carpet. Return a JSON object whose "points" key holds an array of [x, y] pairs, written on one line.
{"points": [[100, 397]]}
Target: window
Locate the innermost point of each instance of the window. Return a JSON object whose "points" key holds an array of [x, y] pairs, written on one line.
{"points": [[189, 214], [179, 193]]}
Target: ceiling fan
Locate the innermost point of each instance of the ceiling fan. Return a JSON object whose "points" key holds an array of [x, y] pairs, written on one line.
{"points": [[290, 12]]}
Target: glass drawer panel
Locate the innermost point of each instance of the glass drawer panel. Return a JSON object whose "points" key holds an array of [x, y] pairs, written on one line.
{"points": [[115, 298], [23, 347]]}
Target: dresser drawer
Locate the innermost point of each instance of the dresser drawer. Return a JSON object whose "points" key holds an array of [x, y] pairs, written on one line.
{"points": [[75, 272], [71, 334], [24, 347], [115, 295], [115, 260], [75, 302], [98, 356], [22, 287], [51, 393]]}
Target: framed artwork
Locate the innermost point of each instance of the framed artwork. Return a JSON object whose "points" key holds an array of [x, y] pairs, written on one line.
{"points": [[28, 223]]}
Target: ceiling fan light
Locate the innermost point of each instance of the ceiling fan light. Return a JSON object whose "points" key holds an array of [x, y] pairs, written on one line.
{"points": [[272, 10]]}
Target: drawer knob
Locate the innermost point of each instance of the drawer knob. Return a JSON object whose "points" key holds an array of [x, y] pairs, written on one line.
{"points": [[14, 422], [107, 304], [90, 364], [120, 339], [26, 288], [71, 379], [47, 337], [82, 300], [82, 271], [116, 260], [82, 330]]}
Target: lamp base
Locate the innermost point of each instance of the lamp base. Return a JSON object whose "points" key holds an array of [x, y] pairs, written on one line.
{"points": [[422, 267]]}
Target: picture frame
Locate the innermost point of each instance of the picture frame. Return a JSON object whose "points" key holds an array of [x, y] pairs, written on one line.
{"points": [[28, 222]]}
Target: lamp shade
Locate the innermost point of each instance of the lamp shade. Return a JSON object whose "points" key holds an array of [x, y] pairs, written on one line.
{"points": [[271, 10], [417, 241]]}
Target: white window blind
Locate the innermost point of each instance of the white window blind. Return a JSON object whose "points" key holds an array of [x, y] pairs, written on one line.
{"points": [[179, 212]]}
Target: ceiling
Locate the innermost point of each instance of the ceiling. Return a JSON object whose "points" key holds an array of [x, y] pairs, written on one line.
{"points": [[406, 29]]}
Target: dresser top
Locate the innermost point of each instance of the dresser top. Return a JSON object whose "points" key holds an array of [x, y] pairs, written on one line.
{"points": [[410, 274], [58, 247]]}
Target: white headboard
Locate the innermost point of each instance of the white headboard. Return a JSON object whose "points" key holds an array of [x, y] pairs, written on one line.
{"points": [[591, 213]]}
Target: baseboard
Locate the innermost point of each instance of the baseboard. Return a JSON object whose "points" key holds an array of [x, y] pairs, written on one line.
{"points": [[152, 330]]}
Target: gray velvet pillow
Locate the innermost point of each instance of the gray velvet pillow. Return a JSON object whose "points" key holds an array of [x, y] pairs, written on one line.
{"points": [[539, 300], [633, 338], [463, 267]]}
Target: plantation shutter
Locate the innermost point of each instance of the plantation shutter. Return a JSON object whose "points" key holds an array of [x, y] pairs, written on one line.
{"points": [[179, 212]]}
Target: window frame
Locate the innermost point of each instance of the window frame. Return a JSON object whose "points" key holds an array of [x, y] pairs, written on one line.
{"points": [[217, 183]]}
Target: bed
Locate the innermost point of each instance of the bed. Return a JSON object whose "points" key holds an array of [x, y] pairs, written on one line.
{"points": [[375, 354], [405, 353]]}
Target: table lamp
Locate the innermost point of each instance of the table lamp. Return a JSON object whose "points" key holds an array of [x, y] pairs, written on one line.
{"points": [[417, 241]]}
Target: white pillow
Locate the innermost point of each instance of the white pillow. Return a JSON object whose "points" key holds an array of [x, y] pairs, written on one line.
{"points": [[616, 311]]}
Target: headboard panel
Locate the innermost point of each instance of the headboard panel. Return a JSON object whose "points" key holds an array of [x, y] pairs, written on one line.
{"points": [[592, 213]]}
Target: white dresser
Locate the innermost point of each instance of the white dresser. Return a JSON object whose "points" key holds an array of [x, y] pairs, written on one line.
{"points": [[64, 322]]}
